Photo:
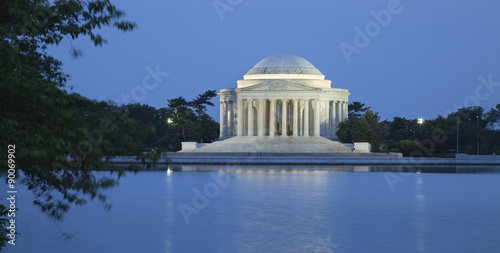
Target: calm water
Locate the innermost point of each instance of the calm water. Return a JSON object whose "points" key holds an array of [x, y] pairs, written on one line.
{"points": [[278, 209]]}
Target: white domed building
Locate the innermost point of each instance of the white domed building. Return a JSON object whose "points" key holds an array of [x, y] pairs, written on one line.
{"points": [[283, 95], [283, 104]]}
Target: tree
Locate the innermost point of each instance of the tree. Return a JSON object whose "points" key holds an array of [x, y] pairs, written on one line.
{"points": [[58, 138], [205, 124], [402, 129], [477, 126], [356, 109], [434, 137], [148, 118], [180, 113], [201, 102], [360, 130], [492, 118], [412, 148], [210, 129], [191, 118], [360, 127], [439, 134]]}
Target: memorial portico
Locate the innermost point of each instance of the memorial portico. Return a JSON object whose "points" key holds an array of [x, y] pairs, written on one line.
{"points": [[271, 116]]}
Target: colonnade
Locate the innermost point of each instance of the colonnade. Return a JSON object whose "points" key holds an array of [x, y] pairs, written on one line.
{"points": [[281, 117]]}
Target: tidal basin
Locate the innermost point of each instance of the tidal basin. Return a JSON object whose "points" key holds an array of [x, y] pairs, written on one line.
{"points": [[195, 208]]}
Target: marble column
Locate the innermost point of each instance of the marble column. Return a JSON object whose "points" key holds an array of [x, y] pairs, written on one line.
{"points": [[284, 118], [332, 118], [341, 111], [345, 111], [239, 122], [295, 118], [224, 119], [328, 113], [272, 118], [250, 117], [306, 117], [260, 119], [221, 119], [316, 118], [325, 118], [230, 120], [337, 114]]}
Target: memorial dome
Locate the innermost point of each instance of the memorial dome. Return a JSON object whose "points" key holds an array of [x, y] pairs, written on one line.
{"points": [[284, 64]]}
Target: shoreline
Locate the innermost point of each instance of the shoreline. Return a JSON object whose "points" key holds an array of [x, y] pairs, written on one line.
{"points": [[308, 159]]}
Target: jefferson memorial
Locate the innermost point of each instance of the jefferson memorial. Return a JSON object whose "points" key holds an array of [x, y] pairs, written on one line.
{"points": [[283, 104]]}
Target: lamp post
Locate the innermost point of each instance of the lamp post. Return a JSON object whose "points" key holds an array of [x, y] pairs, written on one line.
{"points": [[420, 121], [477, 117], [458, 130]]}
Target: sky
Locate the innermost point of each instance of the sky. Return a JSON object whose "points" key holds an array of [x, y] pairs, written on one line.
{"points": [[408, 58]]}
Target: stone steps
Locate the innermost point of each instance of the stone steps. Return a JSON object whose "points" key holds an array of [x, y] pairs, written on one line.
{"points": [[289, 144]]}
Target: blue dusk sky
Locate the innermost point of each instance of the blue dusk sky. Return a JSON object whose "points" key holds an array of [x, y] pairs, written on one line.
{"points": [[405, 58]]}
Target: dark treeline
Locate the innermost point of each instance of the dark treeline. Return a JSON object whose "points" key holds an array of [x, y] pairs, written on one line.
{"points": [[168, 126], [433, 137]]}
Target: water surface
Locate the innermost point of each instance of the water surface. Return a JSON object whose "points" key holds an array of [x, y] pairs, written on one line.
{"points": [[279, 209]]}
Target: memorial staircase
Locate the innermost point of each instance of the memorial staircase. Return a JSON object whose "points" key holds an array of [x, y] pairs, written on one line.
{"points": [[276, 144]]}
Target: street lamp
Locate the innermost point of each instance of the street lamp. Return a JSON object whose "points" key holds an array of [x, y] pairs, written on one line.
{"points": [[477, 117], [170, 121], [420, 121], [458, 130]]}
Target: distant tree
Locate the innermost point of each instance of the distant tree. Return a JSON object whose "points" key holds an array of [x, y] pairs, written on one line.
{"points": [[382, 131], [204, 129], [476, 125], [191, 119], [149, 118], [377, 132], [492, 118], [180, 113], [438, 135], [402, 129], [413, 148], [356, 109], [434, 137], [201, 102], [361, 127], [4, 222], [210, 129]]}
